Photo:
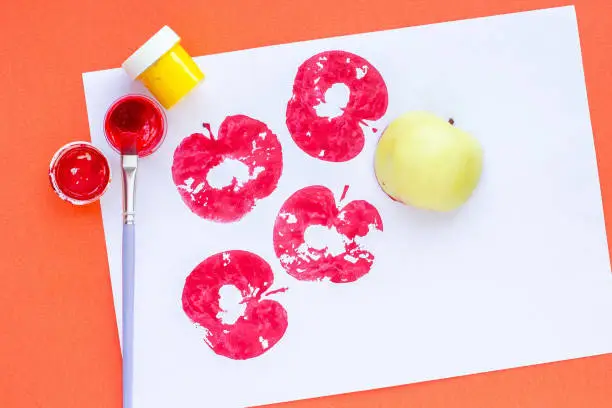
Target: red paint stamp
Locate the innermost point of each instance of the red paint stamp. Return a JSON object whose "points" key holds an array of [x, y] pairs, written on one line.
{"points": [[221, 179], [314, 239], [334, 136], [261, 323]]}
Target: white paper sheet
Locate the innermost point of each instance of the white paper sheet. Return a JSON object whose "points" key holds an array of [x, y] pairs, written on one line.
{"points": [[519, 276]]}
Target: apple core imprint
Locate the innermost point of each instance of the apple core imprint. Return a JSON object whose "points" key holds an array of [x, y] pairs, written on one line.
{"points": [[242, 139], [339, 138], [262, 323]]}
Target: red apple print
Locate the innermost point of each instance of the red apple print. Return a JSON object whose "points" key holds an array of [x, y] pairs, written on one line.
{"points": [[312, 211], [335, 138], [262, 323], [244, 143]]}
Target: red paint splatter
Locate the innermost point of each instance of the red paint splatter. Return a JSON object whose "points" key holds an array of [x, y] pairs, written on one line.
{"points": [[393, 198], [136, 115], [316, 206], [344, 191], [274, 292], [79, 173], [263, 322], [340, 138], [240, 138], [374, 130]]}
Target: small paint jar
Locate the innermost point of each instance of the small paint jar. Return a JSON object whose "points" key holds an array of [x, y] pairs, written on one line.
{"points": [[164, 67], [79, 173], [137, 115]]}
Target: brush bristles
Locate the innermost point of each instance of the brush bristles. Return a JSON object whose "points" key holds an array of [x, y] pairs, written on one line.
{"points": [[128, 143]]}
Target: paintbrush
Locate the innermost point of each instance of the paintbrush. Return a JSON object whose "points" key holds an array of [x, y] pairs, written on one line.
{"points": [[129, 165]]}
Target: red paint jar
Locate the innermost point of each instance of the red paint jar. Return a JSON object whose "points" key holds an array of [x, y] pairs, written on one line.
{"points": [[79, 173], [136, 114]]}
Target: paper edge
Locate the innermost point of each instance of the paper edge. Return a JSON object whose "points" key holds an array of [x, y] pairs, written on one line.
{"points": [[571, 8]]}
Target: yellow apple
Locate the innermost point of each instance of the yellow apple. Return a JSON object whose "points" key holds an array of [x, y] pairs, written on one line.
{"points": [[425, 161]]}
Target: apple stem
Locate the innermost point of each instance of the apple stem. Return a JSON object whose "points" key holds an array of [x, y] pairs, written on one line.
{"points": [[343, 196], [273, 292], [451, 121], [207, 127]]}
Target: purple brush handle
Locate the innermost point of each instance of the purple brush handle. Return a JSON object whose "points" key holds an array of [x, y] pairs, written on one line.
{"points": [[128, 312]]}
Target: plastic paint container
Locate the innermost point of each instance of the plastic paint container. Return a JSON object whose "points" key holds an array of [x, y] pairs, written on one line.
{"points": [[79, 173], [164, 67], [136, 114]]}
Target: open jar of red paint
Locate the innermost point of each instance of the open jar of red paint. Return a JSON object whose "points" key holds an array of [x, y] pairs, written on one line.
{"points": [[79, 173], [137, 115]]}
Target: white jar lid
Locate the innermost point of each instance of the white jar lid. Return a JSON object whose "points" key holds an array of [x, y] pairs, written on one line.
{"points": [[150, 51]]}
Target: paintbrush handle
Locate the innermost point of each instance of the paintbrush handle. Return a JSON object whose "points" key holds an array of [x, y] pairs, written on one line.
{"points": [[128, 312]]}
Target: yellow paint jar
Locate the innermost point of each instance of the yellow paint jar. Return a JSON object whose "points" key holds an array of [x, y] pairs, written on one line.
{"points": [[164, 67]]}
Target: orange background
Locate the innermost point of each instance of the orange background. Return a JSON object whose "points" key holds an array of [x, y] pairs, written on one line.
{"points": [[58, 339]]}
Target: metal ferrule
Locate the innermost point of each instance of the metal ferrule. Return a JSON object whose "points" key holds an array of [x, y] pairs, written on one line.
{"points": [[129, 164]]}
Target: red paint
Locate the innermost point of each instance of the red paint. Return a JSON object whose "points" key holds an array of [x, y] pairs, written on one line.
{"points": [[276, 291], [316, 205], [393, 198], [340, 138], [139, 116], [79, 173], [263, 322], [344, 192], [241, 138]]}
